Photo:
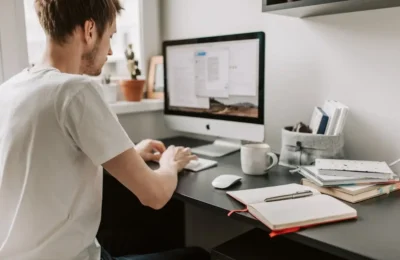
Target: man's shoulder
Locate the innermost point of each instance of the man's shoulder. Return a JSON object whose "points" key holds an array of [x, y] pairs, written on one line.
{"points": [[70, 85], [58, 87], [54, 79], [78, 82]]}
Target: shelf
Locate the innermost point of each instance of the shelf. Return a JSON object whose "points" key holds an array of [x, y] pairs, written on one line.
{"points": [[309, 8], [146, 105]]}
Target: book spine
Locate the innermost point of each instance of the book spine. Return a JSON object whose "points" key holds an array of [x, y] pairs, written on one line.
{"points": [[341, 120], [333, 114], [323, 125]]}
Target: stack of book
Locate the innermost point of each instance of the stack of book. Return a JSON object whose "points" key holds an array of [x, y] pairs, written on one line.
{"points": [[350, 180]]}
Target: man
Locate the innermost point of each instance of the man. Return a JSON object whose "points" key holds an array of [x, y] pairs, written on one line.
{"points": [[55, 134]]}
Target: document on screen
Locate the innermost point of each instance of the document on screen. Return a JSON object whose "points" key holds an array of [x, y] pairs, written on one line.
{"points": [[212, 73], [244, 72], [181, 74]]}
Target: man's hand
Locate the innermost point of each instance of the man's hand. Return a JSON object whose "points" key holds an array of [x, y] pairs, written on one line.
{"points": [[153, 188], [176, 158], [150, 150]]}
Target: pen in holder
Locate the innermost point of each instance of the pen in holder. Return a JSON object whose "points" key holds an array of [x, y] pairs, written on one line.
{"points": [[303, 148]]}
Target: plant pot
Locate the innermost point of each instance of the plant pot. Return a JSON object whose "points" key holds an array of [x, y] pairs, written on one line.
{"points": [[110, 92], [132, 89]]}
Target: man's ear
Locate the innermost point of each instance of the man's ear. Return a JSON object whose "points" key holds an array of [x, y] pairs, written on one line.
{"points": [[89, 30]]}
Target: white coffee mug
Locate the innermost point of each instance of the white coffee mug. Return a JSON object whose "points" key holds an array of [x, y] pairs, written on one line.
{"points": [[257, 159]]}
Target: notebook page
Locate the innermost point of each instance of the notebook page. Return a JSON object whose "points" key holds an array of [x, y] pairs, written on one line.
{"points": [[259, 195], [302, 212], [356, 188], [314, 171]]}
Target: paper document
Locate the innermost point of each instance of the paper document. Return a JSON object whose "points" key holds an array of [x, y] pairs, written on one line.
{"points": [[212, 73], [185, 96], [181, 74], [243, 69]]}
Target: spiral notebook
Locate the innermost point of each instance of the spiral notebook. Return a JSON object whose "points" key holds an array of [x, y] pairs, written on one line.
{"points": [[312, 173], [354, 168], [290, 215]]}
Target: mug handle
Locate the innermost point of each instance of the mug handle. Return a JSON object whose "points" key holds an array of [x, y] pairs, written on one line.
{"points": [[274, 160]]}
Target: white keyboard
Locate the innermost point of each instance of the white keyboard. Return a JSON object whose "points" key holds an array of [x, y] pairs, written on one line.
{"points": [[200, 164]]}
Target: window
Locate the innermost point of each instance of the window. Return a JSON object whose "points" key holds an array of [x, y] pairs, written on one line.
{"points": [[36, 38], [13, 47], [128, 31]]}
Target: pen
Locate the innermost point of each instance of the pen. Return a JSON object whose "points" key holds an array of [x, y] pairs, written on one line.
{"points": [[299, 194]]}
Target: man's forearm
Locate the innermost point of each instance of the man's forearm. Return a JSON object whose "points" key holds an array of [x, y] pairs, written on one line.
{"points": [[167, 181], [153, 188]]}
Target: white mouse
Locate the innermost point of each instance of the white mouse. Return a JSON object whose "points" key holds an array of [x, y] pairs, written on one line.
{"points": [[225, 181]]}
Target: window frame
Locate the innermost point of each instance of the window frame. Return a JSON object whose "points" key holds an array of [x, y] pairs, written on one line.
{"points": [[14, 50], [1, 63]]}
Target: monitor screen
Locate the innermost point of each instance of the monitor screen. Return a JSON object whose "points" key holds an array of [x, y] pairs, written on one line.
{"points": [[217, 77]]}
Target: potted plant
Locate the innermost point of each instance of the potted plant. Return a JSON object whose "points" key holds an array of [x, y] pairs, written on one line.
{"points": [[132, 88]]}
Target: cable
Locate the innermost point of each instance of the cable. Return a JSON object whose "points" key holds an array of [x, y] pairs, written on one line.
{"points": [[394, 163]]}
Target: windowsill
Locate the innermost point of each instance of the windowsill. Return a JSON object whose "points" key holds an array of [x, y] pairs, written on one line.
{"points": [[146, 105], [116, 58]]}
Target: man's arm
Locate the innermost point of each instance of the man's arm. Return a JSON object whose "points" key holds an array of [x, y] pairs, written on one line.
{"points": [[153, 188], [96, 131]]}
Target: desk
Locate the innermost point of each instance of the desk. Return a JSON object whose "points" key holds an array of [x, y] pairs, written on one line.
{"points": [[374, 235]]}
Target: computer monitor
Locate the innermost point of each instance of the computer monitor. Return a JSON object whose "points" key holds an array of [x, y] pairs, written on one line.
{"points": [[215, 86]]}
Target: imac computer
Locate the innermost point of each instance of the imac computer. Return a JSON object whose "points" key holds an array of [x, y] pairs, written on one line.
{"points": [[215, 86]]}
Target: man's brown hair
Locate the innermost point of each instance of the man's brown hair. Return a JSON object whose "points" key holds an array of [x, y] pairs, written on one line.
{"points": [[59, 18]]}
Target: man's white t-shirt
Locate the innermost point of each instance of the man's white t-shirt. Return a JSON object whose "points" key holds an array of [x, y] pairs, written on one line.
{"points": [[55, 133]]}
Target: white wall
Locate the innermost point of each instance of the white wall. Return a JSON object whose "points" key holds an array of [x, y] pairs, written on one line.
{"points": [[354, 58], [151, 31], [145, 125]]}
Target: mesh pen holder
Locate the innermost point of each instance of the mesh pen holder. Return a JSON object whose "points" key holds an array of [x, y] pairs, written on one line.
{"points": [[301, 149]]}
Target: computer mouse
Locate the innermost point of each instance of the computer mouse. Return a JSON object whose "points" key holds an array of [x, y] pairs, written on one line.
{"points": [[225, 181]]}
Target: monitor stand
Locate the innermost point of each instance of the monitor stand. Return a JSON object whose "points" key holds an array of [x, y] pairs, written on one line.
{"points": [[219, 148]]}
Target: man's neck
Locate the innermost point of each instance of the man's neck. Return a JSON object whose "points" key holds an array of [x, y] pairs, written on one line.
{"points": [[66, 58]]}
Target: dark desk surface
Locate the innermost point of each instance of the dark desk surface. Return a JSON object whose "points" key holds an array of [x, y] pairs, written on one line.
{"points": [[375, 235]]}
